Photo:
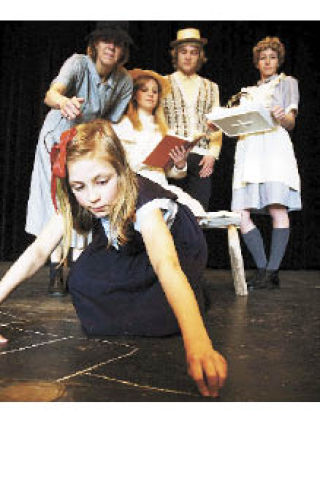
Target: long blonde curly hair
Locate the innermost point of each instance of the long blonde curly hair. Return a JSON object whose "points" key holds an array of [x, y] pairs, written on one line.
{"points": [[96, 139]]}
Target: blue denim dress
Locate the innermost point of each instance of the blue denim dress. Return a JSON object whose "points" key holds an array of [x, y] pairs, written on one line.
{"points": [[102, 100]]}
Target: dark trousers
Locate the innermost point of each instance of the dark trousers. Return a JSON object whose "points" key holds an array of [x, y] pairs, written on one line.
{"points": [[198, 187]]}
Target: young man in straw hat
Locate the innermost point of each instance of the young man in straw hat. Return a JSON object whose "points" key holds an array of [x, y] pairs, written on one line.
{"points": [[191, 97]]}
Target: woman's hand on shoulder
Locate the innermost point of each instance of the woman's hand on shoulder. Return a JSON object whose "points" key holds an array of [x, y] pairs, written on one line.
{"points": [[207, 367]]}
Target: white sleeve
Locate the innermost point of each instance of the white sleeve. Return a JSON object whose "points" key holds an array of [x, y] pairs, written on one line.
{"points": [[168, 207], [290, 94]]}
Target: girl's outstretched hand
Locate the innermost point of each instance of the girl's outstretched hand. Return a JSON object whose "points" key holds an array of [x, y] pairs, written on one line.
{"points": [[207, 367], [3, 339]]}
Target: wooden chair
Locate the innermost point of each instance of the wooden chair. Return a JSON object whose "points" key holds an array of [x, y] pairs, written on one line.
{"points": [[231, 221]]}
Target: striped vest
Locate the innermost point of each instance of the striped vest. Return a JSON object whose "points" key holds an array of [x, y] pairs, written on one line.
{"points": [[175, 110]]}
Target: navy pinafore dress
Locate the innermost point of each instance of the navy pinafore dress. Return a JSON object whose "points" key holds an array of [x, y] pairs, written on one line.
{"points": [[116, 291]]}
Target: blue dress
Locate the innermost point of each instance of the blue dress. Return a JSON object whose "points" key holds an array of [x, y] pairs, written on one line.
{"points": [[102, 100], [115, 291]]}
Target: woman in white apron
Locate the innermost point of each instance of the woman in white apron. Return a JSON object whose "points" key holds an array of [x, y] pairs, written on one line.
{"points": [[266, 178]]}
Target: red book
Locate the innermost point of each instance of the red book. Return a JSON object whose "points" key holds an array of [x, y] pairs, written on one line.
{"points": [[159, 157]]}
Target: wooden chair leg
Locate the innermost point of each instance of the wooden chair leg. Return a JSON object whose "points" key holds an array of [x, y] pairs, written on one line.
{"points": [[236, 261]]}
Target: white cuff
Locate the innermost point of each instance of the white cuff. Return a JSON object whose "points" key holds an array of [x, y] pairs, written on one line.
{"points": [[291, 107], [168, 206]]}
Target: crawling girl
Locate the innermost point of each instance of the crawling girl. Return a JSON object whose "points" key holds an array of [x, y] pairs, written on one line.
{"points": [[141, 275]]}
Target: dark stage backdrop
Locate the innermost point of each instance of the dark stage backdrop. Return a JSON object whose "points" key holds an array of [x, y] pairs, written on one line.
{"points": [[31, 54]]}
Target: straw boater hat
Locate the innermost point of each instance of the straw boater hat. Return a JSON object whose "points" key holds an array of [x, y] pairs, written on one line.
{"points": [[188, 35], [163, 82]]}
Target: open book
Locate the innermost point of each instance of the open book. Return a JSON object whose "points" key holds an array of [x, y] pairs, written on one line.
{"points": [[244, 119], [159, 157]]}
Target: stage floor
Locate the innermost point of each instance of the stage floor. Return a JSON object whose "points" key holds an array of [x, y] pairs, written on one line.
{"points": [[271, 340]]}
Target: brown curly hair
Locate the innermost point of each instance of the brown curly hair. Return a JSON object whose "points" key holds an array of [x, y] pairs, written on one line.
{"points": [[269, 42]]}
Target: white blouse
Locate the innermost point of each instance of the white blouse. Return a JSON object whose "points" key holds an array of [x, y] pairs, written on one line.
{"points": [[138, 144]]}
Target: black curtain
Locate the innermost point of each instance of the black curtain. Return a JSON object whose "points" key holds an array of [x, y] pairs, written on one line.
{"points": [[31, 54]]}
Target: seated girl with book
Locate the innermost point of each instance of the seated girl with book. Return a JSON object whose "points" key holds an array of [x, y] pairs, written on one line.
{"points": [[141, 275], [144, 126]]}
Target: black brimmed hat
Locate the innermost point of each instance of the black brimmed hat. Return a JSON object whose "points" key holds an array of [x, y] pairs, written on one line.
{"points": [[110, 31]]}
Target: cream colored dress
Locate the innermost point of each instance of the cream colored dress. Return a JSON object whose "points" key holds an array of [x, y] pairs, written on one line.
{"points": [[138, 144]]}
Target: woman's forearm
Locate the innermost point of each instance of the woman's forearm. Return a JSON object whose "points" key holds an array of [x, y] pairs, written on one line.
{"points": [[55, 97]]}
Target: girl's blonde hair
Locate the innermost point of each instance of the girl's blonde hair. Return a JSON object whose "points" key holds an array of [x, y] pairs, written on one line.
{"points": [[132, 111], [96, 139], [269, 42]]}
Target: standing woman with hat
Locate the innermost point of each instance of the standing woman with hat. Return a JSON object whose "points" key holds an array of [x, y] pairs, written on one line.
{"points": [[144, 126], [266, 178], [87, 87], [191, 97]]}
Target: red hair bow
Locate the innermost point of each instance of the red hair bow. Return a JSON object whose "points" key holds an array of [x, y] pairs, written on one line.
{"points": [[58, 156]]}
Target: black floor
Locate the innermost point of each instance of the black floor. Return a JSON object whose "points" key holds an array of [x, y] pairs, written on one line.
{"points": [[271, 340]]}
